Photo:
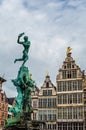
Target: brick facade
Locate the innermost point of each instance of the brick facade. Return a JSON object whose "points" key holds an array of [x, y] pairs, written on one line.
{"points": [[3, 104]]}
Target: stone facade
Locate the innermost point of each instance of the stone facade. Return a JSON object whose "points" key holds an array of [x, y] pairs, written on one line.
{"points": [[35, 103], [45, 103], [84, 100], [3, 104], [70, 108], [62, 107]]}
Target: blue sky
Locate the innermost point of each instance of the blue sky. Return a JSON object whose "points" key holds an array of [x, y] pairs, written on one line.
{"points": [[52, 26]]}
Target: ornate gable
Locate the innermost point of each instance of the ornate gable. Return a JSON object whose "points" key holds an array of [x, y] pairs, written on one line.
{"points": [[69, 69]]}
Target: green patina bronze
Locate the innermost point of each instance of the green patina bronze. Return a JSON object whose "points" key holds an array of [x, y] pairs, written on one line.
{"points": [[26, 45], [22, 109]]}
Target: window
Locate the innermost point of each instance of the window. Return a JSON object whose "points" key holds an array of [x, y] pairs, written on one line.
{"points": [[34, 104], [59, 87], [60, 126], [47, 102], [74, 73], [44, 103], [74, 98], [80, 112], [49, 115], [69, 66], [80, 98], [54, 127], [69, 98], [64, 99], [64, 74], [74, 112], [60, 99], [40, 103], [64, 113], [80, 85], [2, 123], [69, 112], [64, 86], [64, 126], [68, 74], [65, 67], [54, 102], [40, 115], [72, 66], [69, 85], [75, 126], [34, 116], [51, 126], [74, 84], [80, 126], [47, 92], [60, 113], [70, 126], [44, 92]]}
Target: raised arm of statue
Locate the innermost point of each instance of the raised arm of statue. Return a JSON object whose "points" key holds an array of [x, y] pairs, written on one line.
{"points": [[18, 40]]}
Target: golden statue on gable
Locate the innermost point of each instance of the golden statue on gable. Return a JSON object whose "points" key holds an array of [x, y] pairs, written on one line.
{"points": [[68, 50]]}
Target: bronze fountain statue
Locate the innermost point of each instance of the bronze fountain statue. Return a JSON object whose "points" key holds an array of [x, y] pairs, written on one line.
{"points": [[22, 108]]}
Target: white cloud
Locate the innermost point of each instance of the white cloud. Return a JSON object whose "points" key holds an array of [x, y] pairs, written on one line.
{"points": [[51, 27]]}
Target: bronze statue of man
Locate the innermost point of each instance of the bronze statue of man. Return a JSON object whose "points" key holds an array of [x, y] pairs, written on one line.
{"points": [[26, 45]]}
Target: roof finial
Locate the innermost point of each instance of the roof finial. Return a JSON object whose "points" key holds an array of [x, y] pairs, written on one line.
{"points": [[47, 73], [68, 50], [30, 76]]}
